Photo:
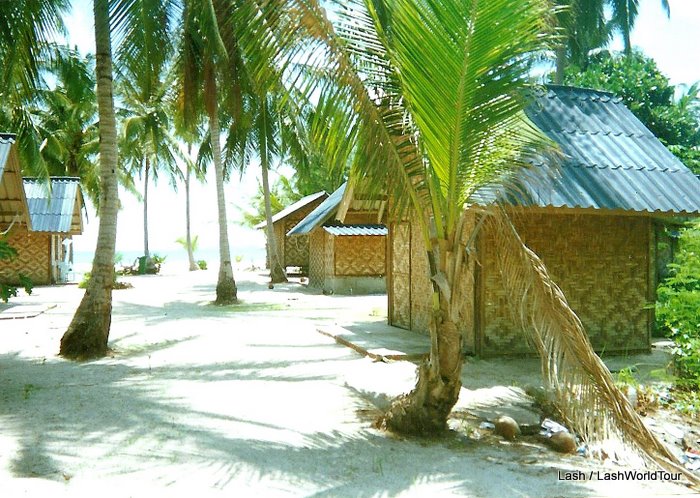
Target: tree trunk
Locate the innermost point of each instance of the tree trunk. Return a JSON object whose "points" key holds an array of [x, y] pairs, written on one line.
{"points": [[226, 291], [146, 167], [277, 273], [188, 235], [88, 332], [425, 409]]}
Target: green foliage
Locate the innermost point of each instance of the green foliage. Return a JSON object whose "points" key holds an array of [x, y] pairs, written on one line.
{"points": [[650, 97], [678, 307], [194, 243], [202, 264], [282, 194], [7, 291]]}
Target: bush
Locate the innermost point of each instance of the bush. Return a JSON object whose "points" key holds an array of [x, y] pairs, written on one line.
{"points": [[8, 253], [116, 285], [202, 264], [678, 307]]}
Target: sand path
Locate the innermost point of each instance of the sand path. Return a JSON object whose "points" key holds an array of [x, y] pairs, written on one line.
{"points": [[246, 401]]}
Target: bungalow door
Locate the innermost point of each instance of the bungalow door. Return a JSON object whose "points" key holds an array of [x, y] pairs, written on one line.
{"points": [[400, 272]]}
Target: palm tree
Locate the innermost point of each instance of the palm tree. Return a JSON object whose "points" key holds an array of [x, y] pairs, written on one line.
{"points": [[148, 142], [624, 15], [88, 332], [261, 138], [430, 94], [203, 59]]}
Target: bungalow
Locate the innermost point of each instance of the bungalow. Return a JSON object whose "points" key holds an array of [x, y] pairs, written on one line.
{"points": [[347, 244], [292, 251], [592, 219], [38, 220]]}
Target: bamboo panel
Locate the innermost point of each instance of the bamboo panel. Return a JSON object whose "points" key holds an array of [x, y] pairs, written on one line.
{"points": [[400, 292], [600, 263], [33, 256], [317, 252], [360, 255], [421, 288]]}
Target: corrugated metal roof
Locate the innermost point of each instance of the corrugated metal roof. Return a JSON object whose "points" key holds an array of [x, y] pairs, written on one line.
{"points": [[292, 208], [340, 229], [612, 161], [6, 141], [321, 214], [52, 211]]}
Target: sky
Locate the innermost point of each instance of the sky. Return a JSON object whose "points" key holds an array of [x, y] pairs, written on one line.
{"points": [[673, 43]]}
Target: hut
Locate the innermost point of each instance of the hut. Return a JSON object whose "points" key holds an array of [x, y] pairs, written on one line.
{"points": [[592, 218], [347, 244], [37, 219], [293, 251], [55, 210]]}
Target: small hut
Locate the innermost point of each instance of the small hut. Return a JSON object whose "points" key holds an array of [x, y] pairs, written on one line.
{"points": [[38, 219], [55, 210], [347, 244], [292, 251], [592, 219]]}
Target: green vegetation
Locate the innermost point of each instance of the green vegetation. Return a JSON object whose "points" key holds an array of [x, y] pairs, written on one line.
{"points": [[649, 95], [7, 291], [678, 308]]}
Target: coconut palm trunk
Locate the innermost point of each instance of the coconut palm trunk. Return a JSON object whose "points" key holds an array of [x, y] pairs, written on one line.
{"points": [[277, 273], [425, 409], [146, 168], [188, 235], [226, 291], [88, 332]]}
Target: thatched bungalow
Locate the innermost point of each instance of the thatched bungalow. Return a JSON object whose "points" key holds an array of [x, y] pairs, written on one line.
{"points": [[37, 223], [292, 251], [347, 244], [592, 220]]}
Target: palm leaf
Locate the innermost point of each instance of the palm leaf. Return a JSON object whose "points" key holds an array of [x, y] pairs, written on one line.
{"points": [[585, 391]]}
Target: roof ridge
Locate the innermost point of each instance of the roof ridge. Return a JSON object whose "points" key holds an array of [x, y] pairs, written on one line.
{"points": [[580, 89]]}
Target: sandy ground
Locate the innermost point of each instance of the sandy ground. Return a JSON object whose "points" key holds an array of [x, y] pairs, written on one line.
{"points": [[250, 401]]}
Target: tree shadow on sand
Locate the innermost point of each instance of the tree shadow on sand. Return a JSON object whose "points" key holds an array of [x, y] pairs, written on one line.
{"points": [[149, 424]]}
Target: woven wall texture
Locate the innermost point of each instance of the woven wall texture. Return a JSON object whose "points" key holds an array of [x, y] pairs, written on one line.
{"points": [[34, 252]]}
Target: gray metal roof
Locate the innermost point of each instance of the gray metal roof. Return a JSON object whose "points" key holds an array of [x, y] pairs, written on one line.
{"points": [[6, 141], [351, 230], [52, 211], [612, 161], [321, 214], [292, 208]]}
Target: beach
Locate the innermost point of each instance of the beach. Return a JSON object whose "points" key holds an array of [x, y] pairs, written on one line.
{"points": [[249, 400]]}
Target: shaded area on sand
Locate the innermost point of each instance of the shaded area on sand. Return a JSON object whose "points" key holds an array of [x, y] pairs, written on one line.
{"points": [[198, 398]]}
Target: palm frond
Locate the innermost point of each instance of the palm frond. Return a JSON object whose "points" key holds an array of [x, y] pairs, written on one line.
{"points": [[585, 391]]}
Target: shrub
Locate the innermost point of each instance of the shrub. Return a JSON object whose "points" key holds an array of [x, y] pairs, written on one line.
{"points": [[678, 307], [7, 253], [202, 264]]}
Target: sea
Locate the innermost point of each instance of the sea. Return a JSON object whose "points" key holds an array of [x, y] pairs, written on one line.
{"points": [[175, 260]]}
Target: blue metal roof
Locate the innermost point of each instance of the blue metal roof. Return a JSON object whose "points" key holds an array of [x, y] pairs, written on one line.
{"points": [[304, 201], [351, 230], [612, 161], [52, 211], [321, 214]]}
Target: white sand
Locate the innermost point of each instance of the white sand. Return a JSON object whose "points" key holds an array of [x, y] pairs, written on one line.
{"points": [[253, 402]]}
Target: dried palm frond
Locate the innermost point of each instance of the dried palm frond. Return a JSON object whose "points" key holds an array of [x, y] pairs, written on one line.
{"points": [[584, 390]]}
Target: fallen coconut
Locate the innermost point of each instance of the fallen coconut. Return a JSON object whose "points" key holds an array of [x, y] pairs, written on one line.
{"points": [[507, 428], [563, 442]]}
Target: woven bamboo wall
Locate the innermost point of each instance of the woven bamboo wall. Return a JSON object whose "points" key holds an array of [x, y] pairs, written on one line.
{"points": [[421, 289], [360, 255], [602, 265], [400, 275], [33, 256], [317, 258]]}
